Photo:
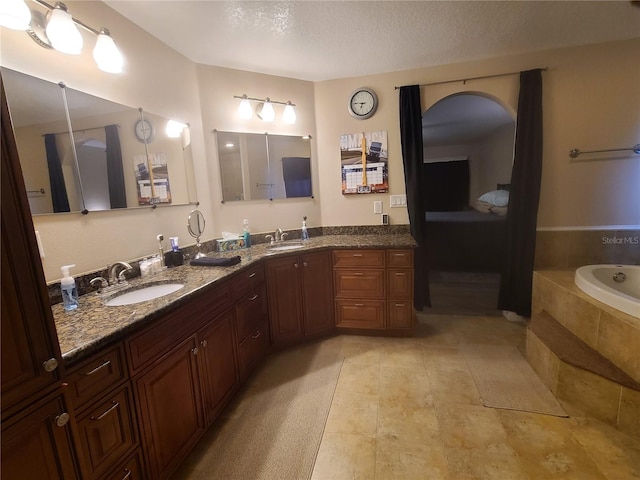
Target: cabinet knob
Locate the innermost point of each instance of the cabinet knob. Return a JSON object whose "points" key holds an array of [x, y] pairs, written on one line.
{"points": [[62, 419], [296, 265], [203, 343], [194, 350], [304, 264], [50, 365]]}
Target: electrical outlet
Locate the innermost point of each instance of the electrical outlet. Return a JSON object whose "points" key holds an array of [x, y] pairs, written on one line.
{"points": [[377, 206], [385, 219]]}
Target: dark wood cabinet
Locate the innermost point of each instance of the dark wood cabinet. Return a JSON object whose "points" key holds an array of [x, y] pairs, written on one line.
{"points": [[300, 297], [36, 430], [170, 408], [374, 289], [218, 364], [36, 443]]}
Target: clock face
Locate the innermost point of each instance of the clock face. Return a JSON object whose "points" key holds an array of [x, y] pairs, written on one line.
{"points": [[144, 131], [363, 103]]}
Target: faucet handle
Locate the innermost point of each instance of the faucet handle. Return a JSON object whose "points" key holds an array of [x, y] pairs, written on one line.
{"points": [[121, 276], [101, 280], [270, 238], [282, 235]]}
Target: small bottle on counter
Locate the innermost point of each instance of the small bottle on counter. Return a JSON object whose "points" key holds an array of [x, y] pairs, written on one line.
{"points": [[305, 232], [68, 288], [246, 235]]}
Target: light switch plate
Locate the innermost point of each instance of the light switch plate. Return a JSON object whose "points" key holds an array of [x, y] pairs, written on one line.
{"points": [[377, 206], [397, 201]]}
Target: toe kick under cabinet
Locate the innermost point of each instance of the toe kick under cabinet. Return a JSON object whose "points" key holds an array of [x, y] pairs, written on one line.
{"points": [[373, 289]]}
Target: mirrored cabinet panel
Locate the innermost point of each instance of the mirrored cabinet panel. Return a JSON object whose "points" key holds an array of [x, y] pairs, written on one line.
{"points": [[255, 166], [112, 157]]}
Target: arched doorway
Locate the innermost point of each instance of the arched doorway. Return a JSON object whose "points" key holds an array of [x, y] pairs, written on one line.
{"points": [[468, 143]]}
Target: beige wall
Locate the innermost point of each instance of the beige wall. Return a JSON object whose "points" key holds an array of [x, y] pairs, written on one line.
{"points": [[590, 103]]}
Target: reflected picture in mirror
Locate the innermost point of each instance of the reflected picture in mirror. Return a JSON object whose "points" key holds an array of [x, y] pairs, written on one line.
{"points": [[108, 147], [265, 166]]}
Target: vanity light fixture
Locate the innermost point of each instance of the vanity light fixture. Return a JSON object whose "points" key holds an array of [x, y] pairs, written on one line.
{"points": [[14, 14], [59, 30], [264, 109], [174, 129]]}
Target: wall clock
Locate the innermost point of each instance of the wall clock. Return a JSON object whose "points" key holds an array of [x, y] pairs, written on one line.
{"points": [[363, 103], [144, 131]]}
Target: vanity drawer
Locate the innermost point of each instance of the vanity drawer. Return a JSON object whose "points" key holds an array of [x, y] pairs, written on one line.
{"points": [[400, 283], [161, 336], [358, 283], [358, 258], [253, 348], [131, 469], [400, 258], [106, 433], [366, 314], [250, 311], [247, 281], [97, 375]]}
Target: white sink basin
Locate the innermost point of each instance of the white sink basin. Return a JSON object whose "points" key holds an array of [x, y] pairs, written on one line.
{"points": [[282, 248], [143, 294]]}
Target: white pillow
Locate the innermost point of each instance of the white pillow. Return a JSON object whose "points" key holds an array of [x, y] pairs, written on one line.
{"points": [[497, 198]]}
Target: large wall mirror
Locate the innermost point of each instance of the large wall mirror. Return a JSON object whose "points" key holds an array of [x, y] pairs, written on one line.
{"points": [[264, 166], [112, 157]]}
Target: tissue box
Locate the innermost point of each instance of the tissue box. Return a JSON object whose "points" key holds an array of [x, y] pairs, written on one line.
{"points": [[231, 244]]}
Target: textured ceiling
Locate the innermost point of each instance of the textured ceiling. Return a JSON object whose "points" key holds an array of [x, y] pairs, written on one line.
{"points": [[321, 40]]}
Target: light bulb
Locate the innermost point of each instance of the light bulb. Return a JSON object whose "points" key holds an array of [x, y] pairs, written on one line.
{"points": [[289, 114], [268, 114], [174, 129], [244, 110], [106, 54], [62, 31], [15, 14]]}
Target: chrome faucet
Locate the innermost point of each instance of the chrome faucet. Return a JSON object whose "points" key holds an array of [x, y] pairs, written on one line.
{"points": [[114, 276], [278, 235]]}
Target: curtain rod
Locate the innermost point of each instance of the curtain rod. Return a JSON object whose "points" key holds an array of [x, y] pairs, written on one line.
{"points": [[465, 80], [81, 129]]}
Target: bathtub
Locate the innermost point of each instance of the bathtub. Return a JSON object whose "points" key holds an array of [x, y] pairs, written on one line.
{"points": [[598, 282]]}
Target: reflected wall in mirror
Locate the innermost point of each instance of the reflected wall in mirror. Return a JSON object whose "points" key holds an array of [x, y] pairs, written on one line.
{"points": [[108, 150], [257, 166]]}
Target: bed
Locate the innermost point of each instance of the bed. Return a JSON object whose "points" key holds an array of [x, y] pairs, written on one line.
{"points": [[467, 240]]}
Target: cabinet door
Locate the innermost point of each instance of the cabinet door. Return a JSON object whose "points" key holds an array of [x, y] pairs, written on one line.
{"points": [[317, 293], [400, 283], [218, 361], [28, 334], [400, 314], [37, 443], [285, 305], [170, 410]]}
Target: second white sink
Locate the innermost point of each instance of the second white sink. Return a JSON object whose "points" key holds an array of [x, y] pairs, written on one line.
{"points": [[144, 294], [281, 248]]}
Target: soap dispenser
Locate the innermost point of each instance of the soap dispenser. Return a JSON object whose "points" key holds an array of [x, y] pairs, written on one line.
{"points": [[246, 235], [305, 232], [68, 288]]}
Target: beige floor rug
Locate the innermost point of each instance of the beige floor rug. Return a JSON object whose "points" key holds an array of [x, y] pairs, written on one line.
{"points": [[273, 428], [505, 380]]}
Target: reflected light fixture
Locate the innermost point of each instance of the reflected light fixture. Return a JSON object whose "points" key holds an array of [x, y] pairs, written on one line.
{"points": [[14, 14], [174, 129], [59, 30], [264, 109]]}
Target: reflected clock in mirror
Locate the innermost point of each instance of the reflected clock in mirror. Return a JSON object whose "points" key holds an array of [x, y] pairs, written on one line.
{"points": [[108, 151], [256, 166]]}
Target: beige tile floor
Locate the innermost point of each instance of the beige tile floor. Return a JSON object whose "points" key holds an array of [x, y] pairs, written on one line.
{"points": [[409, 409]]}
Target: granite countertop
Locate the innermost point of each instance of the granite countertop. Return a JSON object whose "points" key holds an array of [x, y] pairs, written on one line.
{"points": [[93, 324]]}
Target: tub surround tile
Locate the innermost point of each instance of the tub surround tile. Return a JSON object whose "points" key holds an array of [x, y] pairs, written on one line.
{"points": [[582, 319], [620, 342], [590, 392], [543, 361], [629, 415]]}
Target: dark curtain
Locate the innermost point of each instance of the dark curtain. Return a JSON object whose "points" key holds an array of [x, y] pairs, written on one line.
{"points": [[297, 176], [445, 186], [115, 170], [411, 139], [516, 279], [56, 178]]}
